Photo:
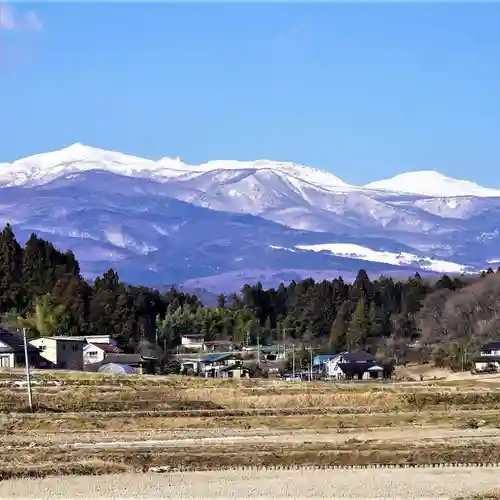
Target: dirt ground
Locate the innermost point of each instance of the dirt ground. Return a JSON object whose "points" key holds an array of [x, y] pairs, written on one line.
{"points": [[432, 484], [107, 440]]}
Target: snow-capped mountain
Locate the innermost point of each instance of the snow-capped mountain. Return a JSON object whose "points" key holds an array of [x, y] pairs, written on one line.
{"points": [[168, 221], [431, 183]]}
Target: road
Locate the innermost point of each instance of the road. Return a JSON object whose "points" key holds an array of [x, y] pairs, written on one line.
{"points": [[432, 484]]}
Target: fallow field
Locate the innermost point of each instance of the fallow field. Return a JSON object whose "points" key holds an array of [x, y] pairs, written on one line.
{"points": [[104, 424]]}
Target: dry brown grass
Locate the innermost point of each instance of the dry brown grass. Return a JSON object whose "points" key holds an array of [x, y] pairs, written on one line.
{"points": [[149, 405], [139, 422], [60, 460], [94, 392], [488, 495]]}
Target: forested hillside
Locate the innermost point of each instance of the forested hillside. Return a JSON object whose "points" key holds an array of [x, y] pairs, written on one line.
{"points": [[41, 288]]}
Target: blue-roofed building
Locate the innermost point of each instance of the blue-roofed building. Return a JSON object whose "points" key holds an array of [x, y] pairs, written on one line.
{"points": [[212, 364]]}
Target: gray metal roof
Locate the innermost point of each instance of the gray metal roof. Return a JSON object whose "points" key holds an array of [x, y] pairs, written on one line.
{"points": [[14, 342]]}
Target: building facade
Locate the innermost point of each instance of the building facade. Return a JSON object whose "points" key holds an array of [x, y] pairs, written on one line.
{"points": [[65, 353]]}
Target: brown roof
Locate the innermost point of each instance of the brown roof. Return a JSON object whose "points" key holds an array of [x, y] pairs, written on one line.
{"points": [[108, 348]]}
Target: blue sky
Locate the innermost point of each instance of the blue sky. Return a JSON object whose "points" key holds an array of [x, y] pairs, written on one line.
{"points": [[365, 91]]}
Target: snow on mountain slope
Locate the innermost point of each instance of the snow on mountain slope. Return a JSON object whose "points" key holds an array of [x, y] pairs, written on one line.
{"points": [[302, 172], [121, 207], [431, 183], [42, 168], [351, 251]]}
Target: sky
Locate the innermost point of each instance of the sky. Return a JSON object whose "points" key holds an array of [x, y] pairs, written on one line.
{"points": [[363, 90]]}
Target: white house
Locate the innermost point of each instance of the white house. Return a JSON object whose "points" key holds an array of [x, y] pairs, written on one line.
{"points": [[61, 352], [354, 364], [193, 341], [489, 358], [211, 365], [95, 352]]}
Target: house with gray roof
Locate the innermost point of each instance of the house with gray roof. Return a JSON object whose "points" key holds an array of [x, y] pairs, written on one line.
{"points": [[353, 365], [12, 350]]}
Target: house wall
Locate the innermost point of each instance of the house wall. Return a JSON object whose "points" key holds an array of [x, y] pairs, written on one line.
{"points": [[216, 365], [70, 355], [49, 350], [193, 342], [7, 360], [92, 354], [372, 375], [64, 354], [481, 366], [237, 373], [331, 367]]}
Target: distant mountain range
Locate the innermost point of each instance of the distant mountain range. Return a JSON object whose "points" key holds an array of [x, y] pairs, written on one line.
{"points": [[219, 225]]}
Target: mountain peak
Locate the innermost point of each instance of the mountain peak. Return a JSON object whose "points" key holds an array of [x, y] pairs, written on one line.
{"points": [[431, 183]]}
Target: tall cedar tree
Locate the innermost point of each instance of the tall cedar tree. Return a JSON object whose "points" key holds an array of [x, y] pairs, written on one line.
{"points": [[358, 328]]}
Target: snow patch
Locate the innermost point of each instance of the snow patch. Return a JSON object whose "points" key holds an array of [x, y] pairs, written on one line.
{"points": [[431, 183], [353, 251]]}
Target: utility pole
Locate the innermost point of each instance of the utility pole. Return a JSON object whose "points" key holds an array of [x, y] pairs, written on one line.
{"points": [[28, 377], [310, 364], [258, 349], [293, 360]]}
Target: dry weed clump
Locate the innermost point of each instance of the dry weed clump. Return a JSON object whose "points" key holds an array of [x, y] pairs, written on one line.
{"points": [[487, 495]]}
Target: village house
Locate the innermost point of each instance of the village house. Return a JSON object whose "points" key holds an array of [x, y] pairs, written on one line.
{"points": [[218, 345], [95, 352], [61, 352], [489, 358], [211, 365], [193, 341], [273, 352], [197, 342], [236, 371], [352, 365], [12, 350]]}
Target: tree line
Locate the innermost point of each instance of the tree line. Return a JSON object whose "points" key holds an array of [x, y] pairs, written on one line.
{"points": [[42, 289]]}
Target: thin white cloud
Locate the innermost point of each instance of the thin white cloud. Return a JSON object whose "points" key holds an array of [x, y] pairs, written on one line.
{"points": [[7, 21], [12, 19], [32, 22]]}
